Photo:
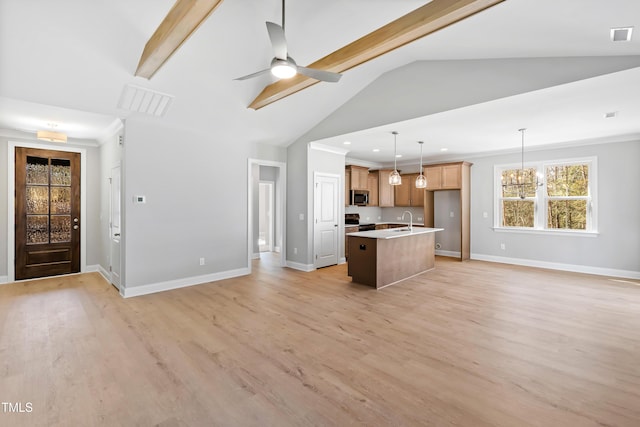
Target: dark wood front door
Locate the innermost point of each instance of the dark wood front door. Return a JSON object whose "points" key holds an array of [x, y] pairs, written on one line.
{"points": [[47, 213]]}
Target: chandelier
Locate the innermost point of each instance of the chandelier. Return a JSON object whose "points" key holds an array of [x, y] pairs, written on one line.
{"points": [[522, 182]]}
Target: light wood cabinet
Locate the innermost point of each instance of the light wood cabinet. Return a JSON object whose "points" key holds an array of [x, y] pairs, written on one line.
{"points": [[451, 176], [347, 186], [372, 186], [386, 193], [358, 177], [406, 194], [447, 176]]}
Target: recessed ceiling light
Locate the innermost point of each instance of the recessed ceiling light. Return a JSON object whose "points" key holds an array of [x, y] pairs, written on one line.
{"points": [[347, 143], [398, 155], [610, 114], [443, 149], [376, 150], [622, 34]]}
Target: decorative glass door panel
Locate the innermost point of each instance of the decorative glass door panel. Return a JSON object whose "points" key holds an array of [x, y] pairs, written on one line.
{"points": [[47, 213]]}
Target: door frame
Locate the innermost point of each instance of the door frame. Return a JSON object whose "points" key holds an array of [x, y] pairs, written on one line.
{"points": [[280, 206], [11, 214], [339, 197]]}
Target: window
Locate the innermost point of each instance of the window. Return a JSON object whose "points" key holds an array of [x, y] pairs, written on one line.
{"points": [[563, 201]]}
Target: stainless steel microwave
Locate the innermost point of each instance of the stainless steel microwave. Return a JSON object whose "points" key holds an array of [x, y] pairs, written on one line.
{"points": [[359, 197]]}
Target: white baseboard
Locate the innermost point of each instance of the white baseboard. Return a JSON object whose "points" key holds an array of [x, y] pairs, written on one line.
{"points": [[99, 269], [152, 288], [342, 260], [276, 249], [299, 266], [452, 254], [4, 280], [627, 274], [255, 255]]}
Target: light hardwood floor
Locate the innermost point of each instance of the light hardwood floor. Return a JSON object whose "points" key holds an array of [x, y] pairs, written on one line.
{"points": [[468, 344]]}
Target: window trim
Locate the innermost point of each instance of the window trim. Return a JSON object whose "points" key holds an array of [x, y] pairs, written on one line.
{"points": [[541, 198]]}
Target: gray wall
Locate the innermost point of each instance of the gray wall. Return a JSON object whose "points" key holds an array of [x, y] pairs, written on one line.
{"points": [[196, 189], [297, 193], [444, 203], [428, 87], [617, 246]]}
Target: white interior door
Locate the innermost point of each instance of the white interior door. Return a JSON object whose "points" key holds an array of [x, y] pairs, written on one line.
{"points": [[114, 223], [326, 220]]}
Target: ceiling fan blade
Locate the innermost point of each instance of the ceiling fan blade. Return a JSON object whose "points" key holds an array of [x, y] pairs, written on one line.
{"points": [[278, 41], [256, 74], [325, 76]]}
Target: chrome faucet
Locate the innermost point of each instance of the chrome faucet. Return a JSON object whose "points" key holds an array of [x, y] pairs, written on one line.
{"points": [[410, 219]]}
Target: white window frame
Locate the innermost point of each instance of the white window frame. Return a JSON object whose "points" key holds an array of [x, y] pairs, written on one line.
{"points": [[541, 198]]}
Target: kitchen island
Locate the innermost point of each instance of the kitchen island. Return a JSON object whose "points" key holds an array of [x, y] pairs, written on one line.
{"points": [[381, 258]]}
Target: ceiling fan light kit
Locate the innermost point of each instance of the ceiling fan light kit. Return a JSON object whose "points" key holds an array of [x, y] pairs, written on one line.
{"points": [[282, 65], [283, 69]]}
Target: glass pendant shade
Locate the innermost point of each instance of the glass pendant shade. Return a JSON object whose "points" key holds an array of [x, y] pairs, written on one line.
{"points": [[395, 178], [421, 180]]}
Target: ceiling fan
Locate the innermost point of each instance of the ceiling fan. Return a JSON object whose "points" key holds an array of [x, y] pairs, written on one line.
{"points": [[282, 65]]}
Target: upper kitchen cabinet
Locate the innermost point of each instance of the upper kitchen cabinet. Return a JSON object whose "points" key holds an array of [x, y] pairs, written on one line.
{"points": [[445, 176], [359, 177], [406, 194], [372, 185], [347, 186], [386, 193]]}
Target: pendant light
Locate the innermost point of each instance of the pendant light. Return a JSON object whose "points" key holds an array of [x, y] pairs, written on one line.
{"points": [[395, 178], [421, 181]]}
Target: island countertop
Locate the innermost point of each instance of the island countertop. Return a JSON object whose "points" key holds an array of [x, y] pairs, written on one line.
{"points": [[393, 233]]}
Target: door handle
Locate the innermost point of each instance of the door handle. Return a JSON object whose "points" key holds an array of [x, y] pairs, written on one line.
{"points": [[75, 227], [116, 235]]}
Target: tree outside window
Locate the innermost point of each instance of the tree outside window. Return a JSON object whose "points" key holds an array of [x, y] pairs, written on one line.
{"points": [[566, 201]]}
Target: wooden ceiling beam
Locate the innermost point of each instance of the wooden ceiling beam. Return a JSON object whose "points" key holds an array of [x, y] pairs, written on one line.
{"points": [[182, 20], [425, 20]]}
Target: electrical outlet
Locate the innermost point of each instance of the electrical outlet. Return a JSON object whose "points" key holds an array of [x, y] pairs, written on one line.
{"points": [[503, 246], [399, 218], [419, 218], [201, 261], [295, 251], [485, 215], [301, 216], [451, 214]]}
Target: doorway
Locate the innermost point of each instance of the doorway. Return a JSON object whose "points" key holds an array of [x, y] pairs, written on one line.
{"points": [[47, 213], [266, 217], [266, 172]]}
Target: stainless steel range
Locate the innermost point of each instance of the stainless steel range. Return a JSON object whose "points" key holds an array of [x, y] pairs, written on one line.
{"points": [[354, 219]]}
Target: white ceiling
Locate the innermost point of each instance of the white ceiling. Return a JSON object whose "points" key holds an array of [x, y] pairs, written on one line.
{"points": [[67, 61]]}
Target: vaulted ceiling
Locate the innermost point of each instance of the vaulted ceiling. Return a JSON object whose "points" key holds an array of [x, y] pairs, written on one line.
{"points": [[77, 56]]}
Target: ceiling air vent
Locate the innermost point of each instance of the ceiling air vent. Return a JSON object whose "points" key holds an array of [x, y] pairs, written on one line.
{"points": [[621, 34], [142, 100]]}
